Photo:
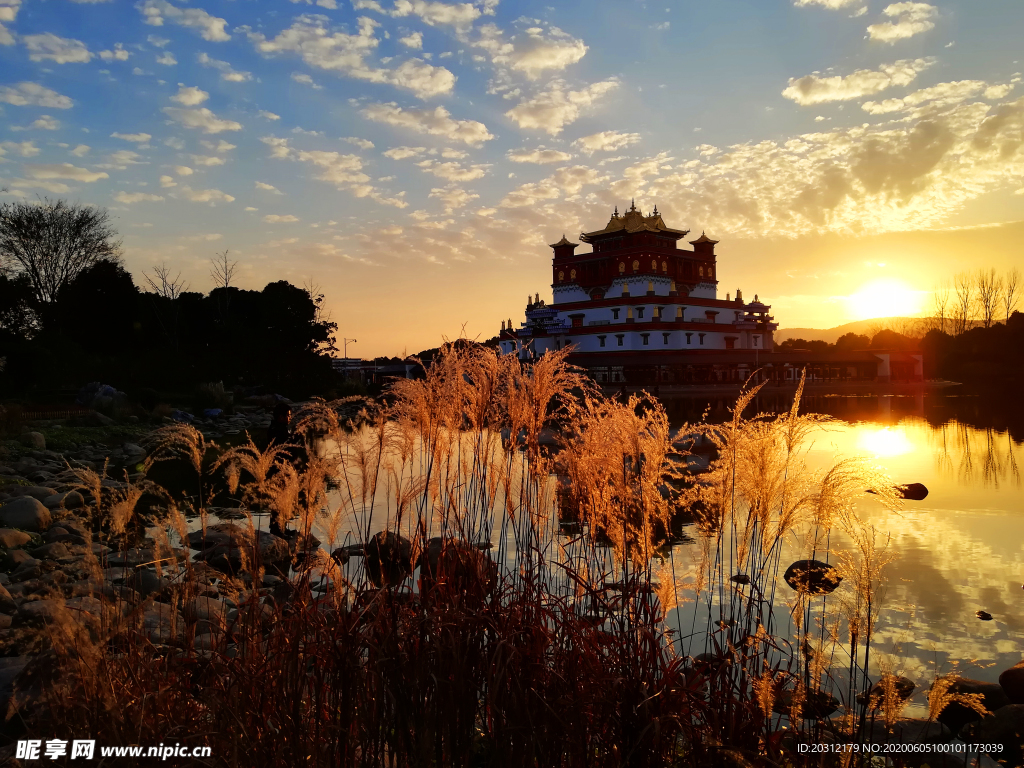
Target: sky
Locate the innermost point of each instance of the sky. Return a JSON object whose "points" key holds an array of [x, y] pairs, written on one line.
{"points": [[412, 158]]}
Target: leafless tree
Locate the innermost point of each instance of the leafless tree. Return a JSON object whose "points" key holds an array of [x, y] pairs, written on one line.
{"points": [[940, 297], [162, 284], [964, 304], [223, 272], [989, 287], [53, 242], [1011, 291]]}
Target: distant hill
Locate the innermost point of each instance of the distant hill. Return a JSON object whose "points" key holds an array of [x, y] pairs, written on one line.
{"points": [[909, 326]]}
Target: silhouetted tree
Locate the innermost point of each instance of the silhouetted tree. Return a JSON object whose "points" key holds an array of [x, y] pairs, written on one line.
{"points": [[53, 242], [851, 341]]}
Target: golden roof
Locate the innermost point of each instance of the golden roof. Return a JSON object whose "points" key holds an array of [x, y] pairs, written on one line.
{"points": [[703, 239], [563, 241], [634, 220]]}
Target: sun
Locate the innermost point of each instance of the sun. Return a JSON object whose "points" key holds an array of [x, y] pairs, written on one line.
{"points": [[884, 298], [887, 441]]}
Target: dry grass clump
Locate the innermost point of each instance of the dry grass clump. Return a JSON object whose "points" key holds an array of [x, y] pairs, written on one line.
{"points": [[461, 629]]}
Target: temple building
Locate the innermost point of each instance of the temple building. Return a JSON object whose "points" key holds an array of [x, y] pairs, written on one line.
{"points": [[638, 299], [639, 310]]}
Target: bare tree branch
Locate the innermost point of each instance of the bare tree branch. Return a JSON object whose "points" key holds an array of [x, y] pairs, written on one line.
{"points": [[1011, 292]]}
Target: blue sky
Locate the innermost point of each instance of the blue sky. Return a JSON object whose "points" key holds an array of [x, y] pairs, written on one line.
{"points": [[413, 158]]}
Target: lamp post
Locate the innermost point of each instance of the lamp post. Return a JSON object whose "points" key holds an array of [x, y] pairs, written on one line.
{"points": [[346, 347]]}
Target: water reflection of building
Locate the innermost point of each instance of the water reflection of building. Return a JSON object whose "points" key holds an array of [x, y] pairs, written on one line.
{"points": [[638, 310]]}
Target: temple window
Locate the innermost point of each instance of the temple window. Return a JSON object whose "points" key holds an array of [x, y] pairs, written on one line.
{"points": [[646, 338], [600, 340], [618, 339], [665, 337], [561, 276], [702, 271], [622, 267], [639, 313], [689, 339], [654, 266], [615, 314], [572, 275], [636, 265], [711, 272], [664, 266], [701, 337]]}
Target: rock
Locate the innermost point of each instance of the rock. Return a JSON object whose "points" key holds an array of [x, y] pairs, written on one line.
{"points": [[812, 577], [1012, 681], [30, 569], [69, 500], [209, 609], [131, 557], [223, 545], [147, 582], [161, 624], [11, 539], [1005, 728], [457, 565], [38, 612], [817, 704], [51, 551], [14, 558], [956, 715], [912, 491], [34, 440], [388, 558], [35, 491], [7, 604], [54, 533], [26, 513], [903, 687], [983, 615]]}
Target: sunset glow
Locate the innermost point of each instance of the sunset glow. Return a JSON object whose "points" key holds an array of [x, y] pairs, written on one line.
{"points": [[884, 298], [885, 442]]}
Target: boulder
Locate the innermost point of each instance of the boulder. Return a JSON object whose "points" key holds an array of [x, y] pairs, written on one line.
{"points": [[26, 513], [12, 559], [388, 558], [208, 609], [956, 715], [903, 687], [38, 612], [52, 551], [69, 500], [1012, 681], [1004, 728], [161, 624], [223, 545], [11, 539], [7, 604], [147, 582], [817, 704], [131, 557], [812, 577], [35, 491], [457, 565], [34, 440]]}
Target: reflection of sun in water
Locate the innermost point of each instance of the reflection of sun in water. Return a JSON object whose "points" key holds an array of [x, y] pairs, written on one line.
{"points": [[888, 441], [884, 298]]}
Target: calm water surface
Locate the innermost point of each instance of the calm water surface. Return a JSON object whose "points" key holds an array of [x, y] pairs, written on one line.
{"points": [[956, 552]]}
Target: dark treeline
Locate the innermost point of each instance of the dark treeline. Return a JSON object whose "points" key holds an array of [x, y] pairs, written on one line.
{"points": [[93, 323], [979, 356]]}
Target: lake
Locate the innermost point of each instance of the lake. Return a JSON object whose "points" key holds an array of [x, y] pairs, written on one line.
{"points": [[954, 553]]}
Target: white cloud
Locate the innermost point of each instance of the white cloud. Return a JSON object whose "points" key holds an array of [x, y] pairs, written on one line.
{"points": [[554, 108], [183, 170], [48, 46], [302, 77], [268, 188], [159, 42], [63, 171], [121, 159], [174, 143], [137, 197], [6, 38], [156, 12], [401, 153], [606, 141], [167, 59], [118, 54], [220, 146], [882, 107], [415, 41], [303, 132], [815, 89], [453, 171], [9, 9], [250, 208], [211, 196], [341, 170], [32, 94], [81, 150], [201, 118], [563, 182], [458, 15], [833, 4], [939, 96], [207, 161], [274, 218], [911, 18], [136, 138], [268, 115], [43, 123], [23, 148], [345, 53], [330, 5], [356, 141], [452, 197], [190, 96], [533, 50], [436, 122], [227, 72], [168, 181]]}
